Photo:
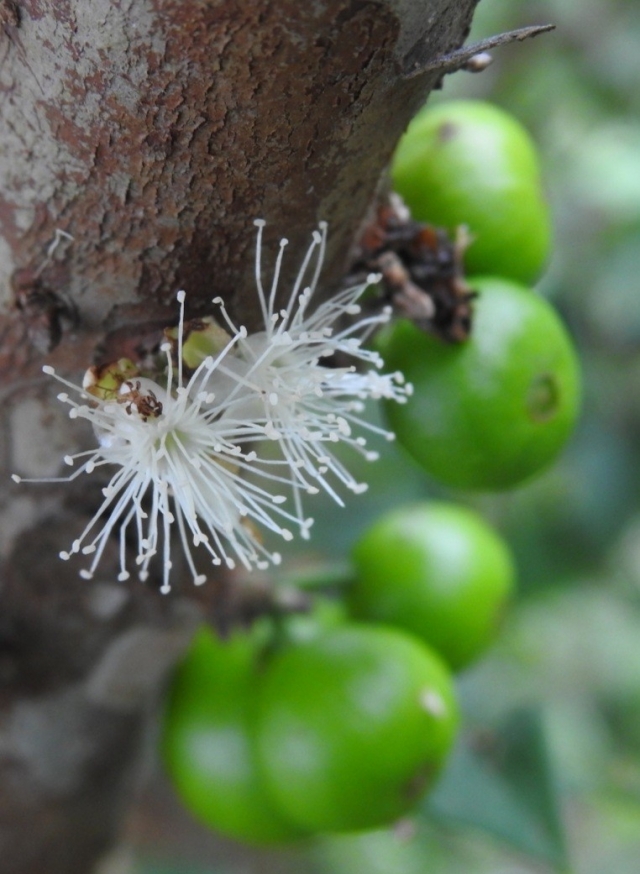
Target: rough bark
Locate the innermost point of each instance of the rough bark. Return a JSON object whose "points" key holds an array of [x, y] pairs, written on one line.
{"points": [[151, 132]]}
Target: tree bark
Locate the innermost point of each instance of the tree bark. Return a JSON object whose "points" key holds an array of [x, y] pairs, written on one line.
{"points": [[138, 141]]}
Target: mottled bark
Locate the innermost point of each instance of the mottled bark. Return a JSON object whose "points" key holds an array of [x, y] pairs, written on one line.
{"points": [[152, 133]]}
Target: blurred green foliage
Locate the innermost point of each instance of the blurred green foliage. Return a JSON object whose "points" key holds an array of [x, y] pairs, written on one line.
{"points": [[571, 650]]}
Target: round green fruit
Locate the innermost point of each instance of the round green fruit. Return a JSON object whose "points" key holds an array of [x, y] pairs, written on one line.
{"points": [[470, 163], [354, 726], [324, 613], [437, 570], [496, 409], [208, 741]]}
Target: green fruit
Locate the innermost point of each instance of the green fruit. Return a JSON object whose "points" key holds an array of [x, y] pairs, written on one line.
{"points": [[324, 613], [353, 727], [492, 411], [469, 163], [208, 741], [437, 570]]}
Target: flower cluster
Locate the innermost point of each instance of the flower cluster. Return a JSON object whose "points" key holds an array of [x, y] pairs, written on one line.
{"points": [[187, 449]]}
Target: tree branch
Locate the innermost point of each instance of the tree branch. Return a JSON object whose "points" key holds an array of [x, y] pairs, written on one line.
{"points": [[144, 136], [449, 62]]}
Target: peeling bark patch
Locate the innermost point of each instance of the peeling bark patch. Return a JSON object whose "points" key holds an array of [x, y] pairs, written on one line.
{"points": [[154, 131], [9, 15], [275, 142], [158, 130], [78, 62]]}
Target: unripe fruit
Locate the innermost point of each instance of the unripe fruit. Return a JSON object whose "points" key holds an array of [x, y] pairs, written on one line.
{"points": [[496, 409], [208, 741], [470, 163], [437, 570], [353, 727], [324, 614]]}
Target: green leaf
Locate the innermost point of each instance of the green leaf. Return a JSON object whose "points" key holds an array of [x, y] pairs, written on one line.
{"points": [[502, 782]]}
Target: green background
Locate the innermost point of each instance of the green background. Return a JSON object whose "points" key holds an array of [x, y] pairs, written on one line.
{"points": [[548, 775]]}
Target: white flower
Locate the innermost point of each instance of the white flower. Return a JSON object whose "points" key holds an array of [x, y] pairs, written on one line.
{"points": [[187, 453], [299, 402], [179, 460]]}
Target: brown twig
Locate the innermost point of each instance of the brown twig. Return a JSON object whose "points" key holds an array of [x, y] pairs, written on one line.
{"points": [[449, 62]]}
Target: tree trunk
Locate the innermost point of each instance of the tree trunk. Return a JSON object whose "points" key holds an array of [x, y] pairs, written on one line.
{"points": [[138, 141]]}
